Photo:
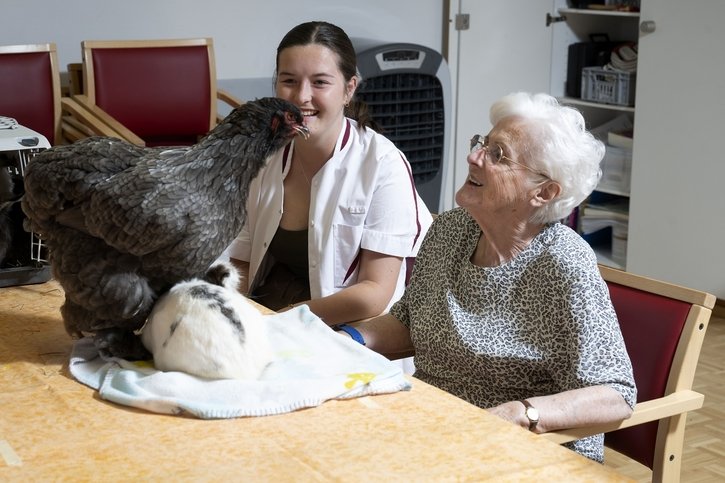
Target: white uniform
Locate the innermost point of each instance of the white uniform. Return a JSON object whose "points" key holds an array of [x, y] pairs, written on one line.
{"points": [[363, 197]]}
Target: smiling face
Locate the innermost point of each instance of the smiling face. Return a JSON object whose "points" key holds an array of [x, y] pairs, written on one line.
{"points": [[309, 77], [501, 189]]}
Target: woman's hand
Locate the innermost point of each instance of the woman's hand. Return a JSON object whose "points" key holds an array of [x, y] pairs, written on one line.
{"points": [[513, 412]]}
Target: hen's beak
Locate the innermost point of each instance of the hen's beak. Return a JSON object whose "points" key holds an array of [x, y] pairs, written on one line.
{"points": [[302, 130]]}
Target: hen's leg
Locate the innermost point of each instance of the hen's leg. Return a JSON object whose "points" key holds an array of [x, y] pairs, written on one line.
{"points": [[109, 338], [108, 284], [105, 290], [76, 319]]}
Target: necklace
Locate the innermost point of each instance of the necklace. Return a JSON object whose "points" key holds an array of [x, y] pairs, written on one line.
{"points": [[302, 167]]}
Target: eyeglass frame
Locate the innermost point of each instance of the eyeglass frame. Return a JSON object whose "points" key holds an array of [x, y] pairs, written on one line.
{"points": [[480, 142]]}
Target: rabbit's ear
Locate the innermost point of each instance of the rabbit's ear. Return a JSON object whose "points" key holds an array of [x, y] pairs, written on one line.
{"points": [[223, 274]]}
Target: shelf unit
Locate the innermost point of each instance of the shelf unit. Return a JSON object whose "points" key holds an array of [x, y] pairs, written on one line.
{"points": [[676, 206], [576, 25]]}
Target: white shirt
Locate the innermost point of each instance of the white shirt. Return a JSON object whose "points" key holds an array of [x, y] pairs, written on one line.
{"points": [[363, 197]]}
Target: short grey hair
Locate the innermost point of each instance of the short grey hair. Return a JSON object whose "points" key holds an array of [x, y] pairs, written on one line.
{"points": [[559, 146]]}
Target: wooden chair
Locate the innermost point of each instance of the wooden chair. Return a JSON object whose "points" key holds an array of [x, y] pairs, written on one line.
{"points": [[30, 87], [663, 327], [150, 92]]}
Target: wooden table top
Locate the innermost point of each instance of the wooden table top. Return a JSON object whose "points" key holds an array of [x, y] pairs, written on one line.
{"points": [[54, 428]]}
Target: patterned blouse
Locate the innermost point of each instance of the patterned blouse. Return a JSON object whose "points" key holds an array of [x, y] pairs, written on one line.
{"points": [[540, 324]]}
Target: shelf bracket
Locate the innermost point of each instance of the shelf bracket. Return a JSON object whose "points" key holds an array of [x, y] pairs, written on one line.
{"points": [[550, 19]]}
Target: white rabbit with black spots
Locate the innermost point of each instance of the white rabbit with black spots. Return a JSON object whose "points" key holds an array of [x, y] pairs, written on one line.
{"points": [[208, 329]]}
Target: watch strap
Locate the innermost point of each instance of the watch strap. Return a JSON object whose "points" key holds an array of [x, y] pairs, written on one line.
{"points": [[528, 410]]}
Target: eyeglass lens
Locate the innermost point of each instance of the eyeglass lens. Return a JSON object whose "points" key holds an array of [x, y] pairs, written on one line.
{"points": [[495, 152]]}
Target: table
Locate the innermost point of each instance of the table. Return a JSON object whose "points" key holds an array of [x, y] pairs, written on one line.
{"points": [[54, 428]]}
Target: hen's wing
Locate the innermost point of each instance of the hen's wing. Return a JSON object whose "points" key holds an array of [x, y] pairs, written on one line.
{"points": [[107, 188], [146, 208], [61, 178]]}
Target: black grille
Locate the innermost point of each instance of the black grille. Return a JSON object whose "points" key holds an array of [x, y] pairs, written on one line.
{"points": [[409, 108]]}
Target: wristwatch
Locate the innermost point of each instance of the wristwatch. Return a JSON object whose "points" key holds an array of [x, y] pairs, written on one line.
{"points": [[531, 413]]}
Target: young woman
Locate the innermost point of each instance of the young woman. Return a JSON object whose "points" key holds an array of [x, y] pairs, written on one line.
{"points": [[332, 218]]}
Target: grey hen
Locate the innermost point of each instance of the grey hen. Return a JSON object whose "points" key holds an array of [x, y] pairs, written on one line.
{"points": [[124, 223]]}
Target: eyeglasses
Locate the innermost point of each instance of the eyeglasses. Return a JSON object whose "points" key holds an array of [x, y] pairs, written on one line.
{"points": [[494, 153]]}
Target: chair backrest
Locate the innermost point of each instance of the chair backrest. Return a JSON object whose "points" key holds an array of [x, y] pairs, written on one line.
{"points": [[164, 91], [30, 87], [663, 327]]}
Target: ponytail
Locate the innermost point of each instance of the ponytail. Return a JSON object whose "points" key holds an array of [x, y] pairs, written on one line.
{"points": [[358, 111]]}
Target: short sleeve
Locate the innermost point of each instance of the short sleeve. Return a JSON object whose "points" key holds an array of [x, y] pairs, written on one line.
{"points": [[397, 218], [595, 340]]}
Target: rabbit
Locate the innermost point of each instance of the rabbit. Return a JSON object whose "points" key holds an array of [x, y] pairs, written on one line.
{"points": [[208, 329]]}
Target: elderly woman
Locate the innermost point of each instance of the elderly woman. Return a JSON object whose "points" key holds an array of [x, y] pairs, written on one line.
{"points": [[506, 308]]}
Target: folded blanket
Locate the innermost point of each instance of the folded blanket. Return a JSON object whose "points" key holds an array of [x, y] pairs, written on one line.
{"points": [[312, 364]]}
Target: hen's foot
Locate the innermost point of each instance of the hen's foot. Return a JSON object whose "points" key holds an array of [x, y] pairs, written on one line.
{"points": [[120, 343]]}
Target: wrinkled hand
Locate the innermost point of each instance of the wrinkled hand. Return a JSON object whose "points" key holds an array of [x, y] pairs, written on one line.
{"points": [[512, 411]]}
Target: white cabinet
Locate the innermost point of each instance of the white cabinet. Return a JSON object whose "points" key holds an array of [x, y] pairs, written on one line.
{"points": [[677, 205], [677, 197]]}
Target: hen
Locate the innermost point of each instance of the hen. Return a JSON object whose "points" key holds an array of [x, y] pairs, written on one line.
{"points": [[124, 223]]}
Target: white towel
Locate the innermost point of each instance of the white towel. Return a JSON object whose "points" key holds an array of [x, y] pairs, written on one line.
{"points": [[312, 364]]}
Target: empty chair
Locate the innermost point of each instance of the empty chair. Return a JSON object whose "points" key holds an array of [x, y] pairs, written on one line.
{"points": [[30, 87], [152, 92]]}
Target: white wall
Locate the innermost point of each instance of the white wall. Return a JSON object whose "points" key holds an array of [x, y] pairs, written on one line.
{"points": [[245, 32]]}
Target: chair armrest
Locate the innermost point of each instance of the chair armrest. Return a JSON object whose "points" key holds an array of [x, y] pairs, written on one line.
{"points": [[676, 403], [105, 123], [228, 98]]}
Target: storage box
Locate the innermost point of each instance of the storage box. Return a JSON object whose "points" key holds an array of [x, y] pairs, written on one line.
{"points": [[616, 171], [608, 86], [596, 52]]}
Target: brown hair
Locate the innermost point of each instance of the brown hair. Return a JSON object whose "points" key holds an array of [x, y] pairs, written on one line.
{"points": [[335, 39]]}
